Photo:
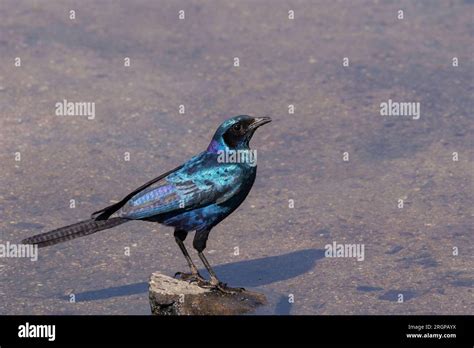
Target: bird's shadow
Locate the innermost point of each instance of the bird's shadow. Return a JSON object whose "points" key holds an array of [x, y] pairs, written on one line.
{"points": [[249, 273]]}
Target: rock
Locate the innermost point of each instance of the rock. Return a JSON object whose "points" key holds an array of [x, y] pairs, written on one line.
{"points": [[170, 296]]}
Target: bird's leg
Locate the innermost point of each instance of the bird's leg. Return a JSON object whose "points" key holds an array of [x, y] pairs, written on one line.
{"points": [[199, 244], [194, 276], [215, 283], [214, 280]]}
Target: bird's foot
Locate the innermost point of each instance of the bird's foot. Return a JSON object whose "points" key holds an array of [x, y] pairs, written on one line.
{"points": [[222, 287], [192, 278], [214, 285]]}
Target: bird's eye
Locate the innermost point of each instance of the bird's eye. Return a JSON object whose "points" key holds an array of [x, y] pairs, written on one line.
{"points": [[237, 127]]}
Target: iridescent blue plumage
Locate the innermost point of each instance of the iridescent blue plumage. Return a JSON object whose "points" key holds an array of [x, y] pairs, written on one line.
{"points": [[195, 197]]}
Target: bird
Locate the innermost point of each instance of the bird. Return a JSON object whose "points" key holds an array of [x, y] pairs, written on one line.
{"points": [[195, 196]]}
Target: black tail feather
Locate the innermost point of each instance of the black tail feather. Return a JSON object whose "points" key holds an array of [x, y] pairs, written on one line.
{"points": [[73, 231]]}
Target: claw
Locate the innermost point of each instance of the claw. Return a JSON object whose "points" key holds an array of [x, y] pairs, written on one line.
{"points": [[191, 278], [222, 287], [214, 284]]}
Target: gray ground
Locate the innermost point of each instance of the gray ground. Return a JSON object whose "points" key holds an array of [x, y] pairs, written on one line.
{"points": [[408, 251]]}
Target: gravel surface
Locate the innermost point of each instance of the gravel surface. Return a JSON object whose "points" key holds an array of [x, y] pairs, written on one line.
{"points": [[281, 250]]}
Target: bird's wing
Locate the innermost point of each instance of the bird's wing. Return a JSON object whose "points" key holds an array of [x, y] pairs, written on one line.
{"points": [[202, 181], [105, 213]]}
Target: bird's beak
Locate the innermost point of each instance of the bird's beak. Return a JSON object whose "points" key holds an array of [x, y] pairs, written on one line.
{"points": [[259, 121]]}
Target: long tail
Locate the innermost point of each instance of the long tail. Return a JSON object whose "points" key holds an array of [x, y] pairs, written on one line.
{"points": [[73, 231]]}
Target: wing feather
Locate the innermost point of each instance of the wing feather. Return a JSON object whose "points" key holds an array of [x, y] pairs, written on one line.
{"points": [[200, 183], [105, 213]]}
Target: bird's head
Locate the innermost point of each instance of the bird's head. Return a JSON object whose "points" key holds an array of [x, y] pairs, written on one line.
{"points": [[236, 132]]}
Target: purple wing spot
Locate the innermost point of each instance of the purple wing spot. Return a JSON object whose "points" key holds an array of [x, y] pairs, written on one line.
{"points": [[157, 193]]}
